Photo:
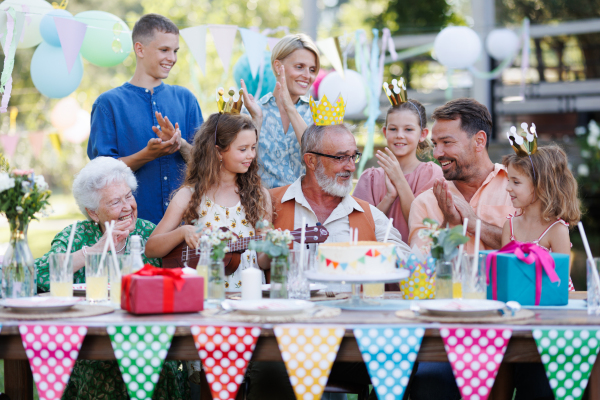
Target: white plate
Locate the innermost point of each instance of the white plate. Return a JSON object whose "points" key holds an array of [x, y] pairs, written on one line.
{"points": [[268, 306], [390, 277], [461, 307], [40, 304], [314, 288], [79, 288]]}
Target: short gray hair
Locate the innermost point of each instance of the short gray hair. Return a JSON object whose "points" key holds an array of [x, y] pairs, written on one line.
{"points": [[96, 175], [313, 137]]}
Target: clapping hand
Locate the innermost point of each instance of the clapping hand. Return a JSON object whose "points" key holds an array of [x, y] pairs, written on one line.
{"points": [[250, 102], [446, 203], [282, 93], [393, 171]]}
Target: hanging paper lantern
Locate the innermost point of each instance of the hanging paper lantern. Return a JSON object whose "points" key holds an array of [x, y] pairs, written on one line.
{"points": [[49, 72], [35, 9], [352, 88], [48, 27], [241, 70], [107, 40], [502, 43], [457, 47], [80, 130], [64, 114]]}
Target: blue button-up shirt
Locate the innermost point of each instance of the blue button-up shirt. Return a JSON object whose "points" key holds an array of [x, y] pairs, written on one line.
{"points": [[122, 121]]}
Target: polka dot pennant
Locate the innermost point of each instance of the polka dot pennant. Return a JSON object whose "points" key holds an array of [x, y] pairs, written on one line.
{"points": [[475, 355], [52, 351], [308, 354], [568, 356], [225, 352], [140, 351], [389, 354]]}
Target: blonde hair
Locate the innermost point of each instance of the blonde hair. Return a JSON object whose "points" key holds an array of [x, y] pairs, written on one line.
{"points": [[425, 147], [553, 182], [290, 43]]}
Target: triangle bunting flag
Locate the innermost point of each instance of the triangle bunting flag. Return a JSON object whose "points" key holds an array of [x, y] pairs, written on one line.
{"points": [[141, 351], [475, 355], [52, 351], [568, 356], [195, 38], [225, 352], [255, 44], [224, 36], [70, 34], [308, 354], [389, 354], [330, 48], [344, 266]]}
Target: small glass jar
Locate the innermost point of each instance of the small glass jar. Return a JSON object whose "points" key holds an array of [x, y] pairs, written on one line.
{"points": [[279, 275], [216, 282]]}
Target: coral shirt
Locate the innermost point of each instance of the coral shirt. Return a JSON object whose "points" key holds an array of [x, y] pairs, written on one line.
{"points": [[491, 204]]}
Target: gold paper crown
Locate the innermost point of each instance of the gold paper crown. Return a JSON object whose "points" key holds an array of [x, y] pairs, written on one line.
{"points": [[233, 105], [396, 91], [326, 113], [524, 143]]}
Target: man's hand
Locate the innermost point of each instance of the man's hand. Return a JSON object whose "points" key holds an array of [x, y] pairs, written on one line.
{"points": [[466, 211], [446, 203], [165, 129]]}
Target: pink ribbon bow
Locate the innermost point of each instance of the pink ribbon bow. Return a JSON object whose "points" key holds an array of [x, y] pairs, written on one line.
{"points": [[535, 253]]}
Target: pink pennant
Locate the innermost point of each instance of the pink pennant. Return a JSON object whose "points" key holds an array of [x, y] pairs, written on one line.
{"points": [[71, 34], [52, 351], [9, 144], [475, 355], [225, 352], [36, 139], [224, 36]]}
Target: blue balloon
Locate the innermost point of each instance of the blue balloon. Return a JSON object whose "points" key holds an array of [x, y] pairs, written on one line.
{"points": [[48, 27], [49, 72], [241, 70]]}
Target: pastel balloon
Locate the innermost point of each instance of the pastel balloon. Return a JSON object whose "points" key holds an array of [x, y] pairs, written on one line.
{"points": [[49, 72], [35, 11], [80, 130], [64, 113], [457, 47], [107, 40], [502, 43], [352, 88], [241, 70], [48, 26]]}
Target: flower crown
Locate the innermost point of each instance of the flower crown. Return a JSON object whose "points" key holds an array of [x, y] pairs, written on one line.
{"points": [[523, 143], [326, 113], [233, 105]]}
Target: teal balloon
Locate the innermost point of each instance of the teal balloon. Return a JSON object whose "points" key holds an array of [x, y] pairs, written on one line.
{"points": [[49, 72], [48, 27], [241, 70], [107, 40]]}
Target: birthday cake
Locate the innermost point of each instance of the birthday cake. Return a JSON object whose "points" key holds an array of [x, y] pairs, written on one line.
{"points": [[363, 258]]}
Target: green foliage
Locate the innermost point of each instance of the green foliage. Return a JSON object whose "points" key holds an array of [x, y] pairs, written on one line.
{"points": [[4, 165], [444, 241], [275, 243], [415, 17], [22, 195]]}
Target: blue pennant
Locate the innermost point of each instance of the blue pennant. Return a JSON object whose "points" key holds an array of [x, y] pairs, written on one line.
{"points": [[344, 266]]}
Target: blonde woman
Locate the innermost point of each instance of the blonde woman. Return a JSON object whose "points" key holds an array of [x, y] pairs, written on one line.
{"points": [[286, 113]]}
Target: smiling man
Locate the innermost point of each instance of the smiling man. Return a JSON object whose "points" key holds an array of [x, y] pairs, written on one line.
{"points": [[128, 123], [474, 187]]}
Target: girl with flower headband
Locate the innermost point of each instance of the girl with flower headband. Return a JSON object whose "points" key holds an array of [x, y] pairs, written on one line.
{"points": [[401, 176], [542, 186]]}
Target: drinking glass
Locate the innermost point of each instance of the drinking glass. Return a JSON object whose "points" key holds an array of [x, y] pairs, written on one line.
{"points": [[279, 276], [443, 279], [61, 275], [116, 272], [298, 285], [216, 282], [474, 285], [593, 286], [373, 290], [96, 277]]}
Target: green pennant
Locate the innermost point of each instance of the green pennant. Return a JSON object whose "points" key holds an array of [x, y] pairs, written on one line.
{"points": [[362, 259], [568, 356], [140, 352]]}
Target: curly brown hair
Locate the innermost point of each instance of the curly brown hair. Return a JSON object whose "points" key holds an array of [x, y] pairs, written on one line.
{"points": [[553, 182], [203, 168], [425, 147]]}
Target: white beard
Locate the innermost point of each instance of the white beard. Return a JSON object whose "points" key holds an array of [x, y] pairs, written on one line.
{"points": [[330, 185]]}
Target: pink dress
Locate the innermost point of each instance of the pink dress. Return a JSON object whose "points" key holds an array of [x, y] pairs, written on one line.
{"points": [[371, 188]]}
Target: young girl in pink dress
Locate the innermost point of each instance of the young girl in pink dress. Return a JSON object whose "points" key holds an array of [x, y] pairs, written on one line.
{"points": [[544, 189], [401, 176]]}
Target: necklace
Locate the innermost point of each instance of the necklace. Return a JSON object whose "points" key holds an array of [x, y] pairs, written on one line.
{"points": [[125, 245]]}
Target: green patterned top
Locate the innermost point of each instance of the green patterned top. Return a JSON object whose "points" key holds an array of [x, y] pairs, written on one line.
{"points": [[88, 234]]}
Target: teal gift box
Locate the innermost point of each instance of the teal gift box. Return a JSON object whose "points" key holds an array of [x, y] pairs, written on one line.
{"points": [[516, 280]]}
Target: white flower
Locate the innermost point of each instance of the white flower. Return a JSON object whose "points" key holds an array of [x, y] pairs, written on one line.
{"points": [[26, 185], [226, 249], [583, 170], [40, 182], [6, 182], [519, 139], [592, 140], [19, 210], [594, 128]]}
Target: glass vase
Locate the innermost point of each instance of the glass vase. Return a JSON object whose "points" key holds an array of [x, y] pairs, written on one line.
{"points": [[279, 275], [443, 279], [18, 269], [216, 282]]}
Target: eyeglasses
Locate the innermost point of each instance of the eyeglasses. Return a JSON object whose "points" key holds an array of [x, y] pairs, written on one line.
{"points": [[340, 159]]}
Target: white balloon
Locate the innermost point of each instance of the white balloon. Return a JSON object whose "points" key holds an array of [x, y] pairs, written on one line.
{"points": [[502, 43], [64, 113], [352, 88], [80, 131], [35, 11], [457, 47]]}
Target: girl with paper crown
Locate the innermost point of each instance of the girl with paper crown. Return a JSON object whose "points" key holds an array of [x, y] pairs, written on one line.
{"points": [[542, 186], [401, 176], [295, 60], [222, 187]]}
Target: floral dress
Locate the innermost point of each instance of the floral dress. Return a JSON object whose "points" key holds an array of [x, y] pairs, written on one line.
{"points": [[210, 214], [102, 379]]}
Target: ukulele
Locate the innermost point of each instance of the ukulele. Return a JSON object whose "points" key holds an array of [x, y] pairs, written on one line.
{"points": [[183, 255]]}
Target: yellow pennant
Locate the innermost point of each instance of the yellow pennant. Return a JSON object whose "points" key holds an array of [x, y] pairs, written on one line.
{"points": [[56, 143], [308, 353]]}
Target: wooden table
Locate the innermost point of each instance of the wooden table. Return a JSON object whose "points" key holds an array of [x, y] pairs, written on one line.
{"points": [[18, 380]]}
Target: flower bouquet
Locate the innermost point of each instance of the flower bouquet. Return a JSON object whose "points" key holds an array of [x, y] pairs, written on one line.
{"points": [[22, 195], [214, 244]]}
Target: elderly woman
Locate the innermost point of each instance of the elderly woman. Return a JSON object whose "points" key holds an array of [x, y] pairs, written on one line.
{"points": [[103, 191]]}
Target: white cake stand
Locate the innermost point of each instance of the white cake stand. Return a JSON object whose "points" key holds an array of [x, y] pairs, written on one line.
{"points": [[355, 301]]}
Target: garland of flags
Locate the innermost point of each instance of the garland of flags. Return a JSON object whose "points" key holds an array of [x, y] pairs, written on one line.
{"points": [[373, 253]]}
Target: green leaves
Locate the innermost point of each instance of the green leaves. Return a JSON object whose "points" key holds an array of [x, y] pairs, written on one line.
{"points": [[445, 241], [22, 195]]}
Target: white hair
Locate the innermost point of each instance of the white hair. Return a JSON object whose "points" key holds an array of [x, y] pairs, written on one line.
{"points": [[95, 176]]}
